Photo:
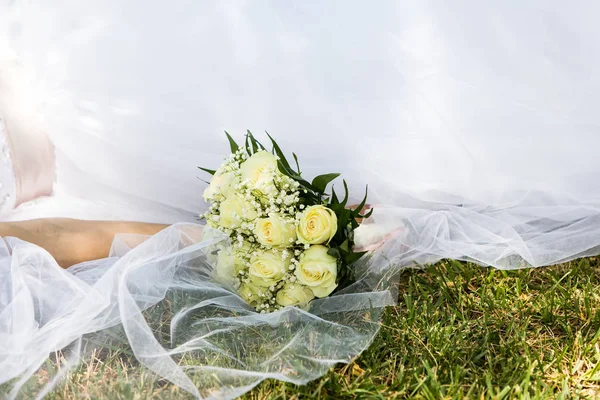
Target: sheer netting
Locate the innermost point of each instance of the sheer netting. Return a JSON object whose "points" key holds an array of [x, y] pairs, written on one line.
{"points": [[474, 125], [158, 302]]}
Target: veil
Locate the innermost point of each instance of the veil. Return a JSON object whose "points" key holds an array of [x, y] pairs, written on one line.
{"points": [[473, 124]]}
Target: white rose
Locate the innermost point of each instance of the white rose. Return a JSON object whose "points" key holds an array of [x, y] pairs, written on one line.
{"points": [[212, 224], [234, 210], [241, 256], [275, 231], [224, 271], [294, 294], [258, 171], [267, 268], [218, 238], [317, 270], [317, 225], [229, 262], [250, 293], [220, 187]]}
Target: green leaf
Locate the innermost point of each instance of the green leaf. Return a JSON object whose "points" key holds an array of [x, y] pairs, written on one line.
{"points": [[284, 170], [297, 164], [279, 153], [343, 220], [232, 144], [320, 182], [252, 141], [345, 201], [284, 166], [256, 145], [247, 144], [358, 209], [334, 252], [210, 171], [367, 215], [260, 144], [334, 198], [345, 246], [354, 257]]}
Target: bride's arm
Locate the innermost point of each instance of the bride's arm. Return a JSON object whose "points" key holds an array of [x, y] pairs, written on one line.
{"points": [[73, 241]]}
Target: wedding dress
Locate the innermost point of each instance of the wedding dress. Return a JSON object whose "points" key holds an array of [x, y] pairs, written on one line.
{"points": [[473, 124]]}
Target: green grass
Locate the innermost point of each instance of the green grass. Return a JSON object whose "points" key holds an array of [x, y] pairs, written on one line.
{"points": [[459, 331]]}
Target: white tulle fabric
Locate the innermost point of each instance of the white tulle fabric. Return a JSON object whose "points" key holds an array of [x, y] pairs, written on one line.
{"points": [[158, 300], [474, 125]]}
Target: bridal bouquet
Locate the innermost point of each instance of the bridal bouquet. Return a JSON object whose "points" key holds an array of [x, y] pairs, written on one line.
{"points": [[291, 240]]}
